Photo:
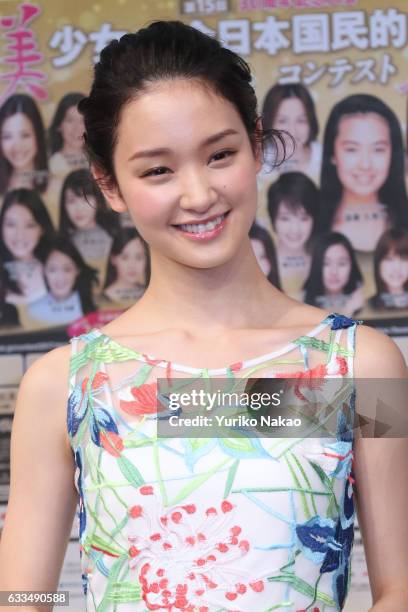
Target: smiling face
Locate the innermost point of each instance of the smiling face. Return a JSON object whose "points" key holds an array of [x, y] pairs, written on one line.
{"points": [[292, 117], [183, 156], [293, 227], [362, 156], [21, 233], [80, 212], [18, 142], [130, 264], [394, 272], [336, 268], [61, 274], [72, 129]]}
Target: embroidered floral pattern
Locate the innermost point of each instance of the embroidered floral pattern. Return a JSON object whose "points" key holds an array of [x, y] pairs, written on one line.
{"points": [[210, 524]]}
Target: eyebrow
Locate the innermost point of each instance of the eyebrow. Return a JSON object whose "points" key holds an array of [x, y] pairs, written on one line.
{"points": [[357, 142], [164, 150]]}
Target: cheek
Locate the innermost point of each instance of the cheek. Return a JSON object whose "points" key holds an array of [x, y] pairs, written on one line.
{"points": [[382, 165], [384, 270]]}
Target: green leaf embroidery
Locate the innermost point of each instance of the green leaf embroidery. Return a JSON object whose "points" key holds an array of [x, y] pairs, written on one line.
{"points": [[303, 587], [130, 472]]}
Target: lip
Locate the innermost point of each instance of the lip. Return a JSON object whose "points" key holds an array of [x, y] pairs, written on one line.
{"points": [[198, 222], [206, 235]]}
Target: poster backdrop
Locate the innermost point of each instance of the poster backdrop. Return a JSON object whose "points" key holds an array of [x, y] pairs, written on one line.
{"points": [[332, 222], [332, 226]]}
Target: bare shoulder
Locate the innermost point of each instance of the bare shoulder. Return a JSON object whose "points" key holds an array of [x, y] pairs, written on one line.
{"points": [[377, 355], [49, 373]]}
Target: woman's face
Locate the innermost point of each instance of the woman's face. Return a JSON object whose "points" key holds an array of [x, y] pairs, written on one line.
{"points": [[72, 129], [18, 142], [336, 268], [21, 233], [81, 212], [183, 156], [61, 273], [261, 256], [130, 264], [362, 155], [394, 272], [293, 227], [292, 118]]}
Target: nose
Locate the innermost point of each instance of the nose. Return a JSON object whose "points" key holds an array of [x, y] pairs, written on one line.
{"points": [[365, 159], [197, 192]]}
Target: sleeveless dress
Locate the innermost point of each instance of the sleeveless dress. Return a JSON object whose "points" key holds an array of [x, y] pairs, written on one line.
{"points": [[208, 524]]}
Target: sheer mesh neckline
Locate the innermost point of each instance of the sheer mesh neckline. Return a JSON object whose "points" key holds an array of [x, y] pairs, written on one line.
{"points": [[161, 362]]}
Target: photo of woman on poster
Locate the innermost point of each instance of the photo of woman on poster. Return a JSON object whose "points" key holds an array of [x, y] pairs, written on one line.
{"points": [[128, 268], [293, 208], [69, 282], [66, 137], [23, 156], [84, 218], [391, 270], [363, 189], [265, 252], [25, 230], [335, 280], [290, 108], [8, 312]]}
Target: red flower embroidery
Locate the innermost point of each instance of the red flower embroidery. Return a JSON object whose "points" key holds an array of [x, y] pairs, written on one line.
{"points": [[111, 442], [178, 566], [145, 401], [309, 379]]}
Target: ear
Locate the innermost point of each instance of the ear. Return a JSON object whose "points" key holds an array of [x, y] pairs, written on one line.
{"points": [[111, 193]]}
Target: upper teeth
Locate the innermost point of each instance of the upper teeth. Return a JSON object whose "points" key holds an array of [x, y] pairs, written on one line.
{"points": [[202, 227]]}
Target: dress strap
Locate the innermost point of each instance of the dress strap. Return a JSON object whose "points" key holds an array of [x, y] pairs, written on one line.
{"points": [[338, 323]]}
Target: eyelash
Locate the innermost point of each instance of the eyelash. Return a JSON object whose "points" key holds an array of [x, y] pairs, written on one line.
{"points": [[152, 172]]}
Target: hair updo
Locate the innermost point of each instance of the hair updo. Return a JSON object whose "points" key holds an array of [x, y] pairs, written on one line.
{"points": [[164, 50]]}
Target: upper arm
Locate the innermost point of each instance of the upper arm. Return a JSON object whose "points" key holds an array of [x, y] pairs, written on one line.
{"points": [[380, 466], [42, 497]]}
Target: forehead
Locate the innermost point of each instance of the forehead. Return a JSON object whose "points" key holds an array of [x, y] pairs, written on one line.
{"points": [[336, 250], [291, 208], [57, 257], [171, 113], [291, 106], [364, 126], [17, 121], [72, 113], [19, 211]]}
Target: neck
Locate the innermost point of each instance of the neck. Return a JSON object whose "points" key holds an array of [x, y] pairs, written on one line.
{"points": [[69, 150], [396, 290], [301, 155], [285, 251], [350, 197], [207, 301]]}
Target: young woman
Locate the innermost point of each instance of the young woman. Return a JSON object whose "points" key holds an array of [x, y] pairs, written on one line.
{"points": [[25, 229], [362, 182], [335, 281], [391, 270], [69, 281], [195, 523], [66, 137], [265, 253], [23, 156], [128, 268], [293, 207], [84, 218], [290, 108]]}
